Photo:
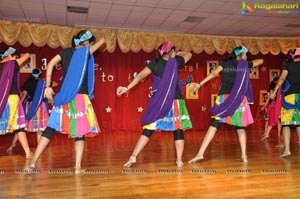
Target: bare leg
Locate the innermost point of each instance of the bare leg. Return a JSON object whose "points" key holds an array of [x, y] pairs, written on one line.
{"points": [[298, 132], [38, 136], [141, 143], [13, 143], [79, 148], [179, 144], [243, 143], [266, 127], [286, 138], [279, 129], [280, 139], [23, 140], [267, 133], [210, 134], [39, 149]]}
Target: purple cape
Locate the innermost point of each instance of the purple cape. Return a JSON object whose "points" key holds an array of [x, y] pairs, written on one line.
{"points": [[6, 80], [164, 92]]}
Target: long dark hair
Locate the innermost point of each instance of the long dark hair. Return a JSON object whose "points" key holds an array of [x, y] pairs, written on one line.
{"points": [[158, 56]]}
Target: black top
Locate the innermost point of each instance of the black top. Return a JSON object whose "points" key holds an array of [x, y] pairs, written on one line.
{"points": [[66, 55], [14, 87], [293, 77], [30, 86], [228, 75], [157, 68]]}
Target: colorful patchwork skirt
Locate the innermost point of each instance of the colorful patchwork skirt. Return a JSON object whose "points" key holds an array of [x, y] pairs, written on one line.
{"points": [[77, 118], [290, 116], [242, 117], [38, 122], [13, 117], [177, 118]]}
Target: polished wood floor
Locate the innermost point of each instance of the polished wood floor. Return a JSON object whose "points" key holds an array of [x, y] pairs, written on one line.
{"points": [[220, 175]]}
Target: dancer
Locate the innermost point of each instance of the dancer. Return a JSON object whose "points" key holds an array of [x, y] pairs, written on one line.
{"points": [[12, 118], [36, 106], [232, 103], [166, 109], [72, 111], [290, 110], [273, 110]]}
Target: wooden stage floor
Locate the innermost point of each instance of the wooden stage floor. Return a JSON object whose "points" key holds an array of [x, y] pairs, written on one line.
{"points": [[155, 175]]}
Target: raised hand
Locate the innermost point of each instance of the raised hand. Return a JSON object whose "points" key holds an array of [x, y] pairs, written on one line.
{"points": [[195, 88], [49, 93], [121, 90]]}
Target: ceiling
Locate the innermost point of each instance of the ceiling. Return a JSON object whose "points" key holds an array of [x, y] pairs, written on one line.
{"points": [[212, 17]]}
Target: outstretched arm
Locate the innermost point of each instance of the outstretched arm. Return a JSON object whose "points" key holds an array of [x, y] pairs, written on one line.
{"points": [[23, 58], [257, 62], [142, 75], [186, 55], [212, 75], [97, 45]]}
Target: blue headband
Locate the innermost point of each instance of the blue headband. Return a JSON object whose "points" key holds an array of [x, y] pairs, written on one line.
{"points": [[86, 36], [36, 75], [9, 51], [238, 52]]}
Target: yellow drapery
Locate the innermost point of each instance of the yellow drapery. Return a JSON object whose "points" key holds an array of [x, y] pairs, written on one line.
{"points": [[55, 36]]}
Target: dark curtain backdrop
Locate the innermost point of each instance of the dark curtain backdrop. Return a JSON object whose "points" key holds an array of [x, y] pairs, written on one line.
{"points": [[118, 69]]}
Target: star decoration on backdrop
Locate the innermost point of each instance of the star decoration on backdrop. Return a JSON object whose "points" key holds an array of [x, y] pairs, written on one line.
{"points": [[263, 69], [203, 108], [108, 109], [140, 109]]}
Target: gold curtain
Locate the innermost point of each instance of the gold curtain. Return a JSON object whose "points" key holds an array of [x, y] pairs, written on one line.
{"points": [[55, 36]]}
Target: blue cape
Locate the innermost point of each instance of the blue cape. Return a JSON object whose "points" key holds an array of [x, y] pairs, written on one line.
{"points": [[81, 62]]}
